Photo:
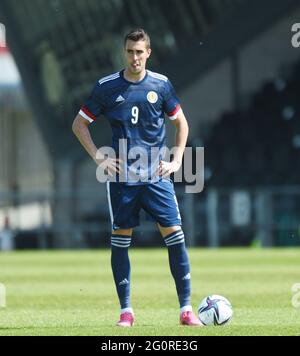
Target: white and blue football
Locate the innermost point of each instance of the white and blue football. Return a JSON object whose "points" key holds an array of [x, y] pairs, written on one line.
{"points": [[215, 310]]}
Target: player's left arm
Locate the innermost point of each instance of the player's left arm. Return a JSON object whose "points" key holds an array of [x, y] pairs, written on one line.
{"points": [[182, 131]]}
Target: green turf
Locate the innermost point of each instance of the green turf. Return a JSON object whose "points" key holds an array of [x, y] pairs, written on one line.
{"points": [[72, 293]]}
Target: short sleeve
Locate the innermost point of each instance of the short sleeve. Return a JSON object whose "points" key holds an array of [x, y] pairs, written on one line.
{"points": [[171, 103], [94, 106]]}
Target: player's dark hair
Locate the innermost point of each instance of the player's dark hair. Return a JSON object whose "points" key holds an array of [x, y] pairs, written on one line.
{"points": [[138, 34]]}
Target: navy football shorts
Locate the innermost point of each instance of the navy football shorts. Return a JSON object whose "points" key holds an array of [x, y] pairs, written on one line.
{"points": [[157, 199]]}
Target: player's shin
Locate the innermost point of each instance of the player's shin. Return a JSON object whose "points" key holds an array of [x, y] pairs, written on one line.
{"points": [[180, 267], [121, 268]]}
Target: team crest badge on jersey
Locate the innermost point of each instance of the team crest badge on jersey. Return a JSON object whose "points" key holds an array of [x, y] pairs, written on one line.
{"points": [[152, 97]]}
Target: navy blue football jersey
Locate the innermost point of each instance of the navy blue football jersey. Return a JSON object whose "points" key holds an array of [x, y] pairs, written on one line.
{"points": [[136, 112]]}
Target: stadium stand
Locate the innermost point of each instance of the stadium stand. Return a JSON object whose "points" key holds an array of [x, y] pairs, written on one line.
{"points": [[259, 146]]}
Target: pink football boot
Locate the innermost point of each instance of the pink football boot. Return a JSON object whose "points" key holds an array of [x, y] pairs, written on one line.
{"points": [[188, 318], [126, 320]]}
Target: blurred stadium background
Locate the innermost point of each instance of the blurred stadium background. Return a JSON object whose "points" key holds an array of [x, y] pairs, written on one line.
{"points": [[238, 76]]}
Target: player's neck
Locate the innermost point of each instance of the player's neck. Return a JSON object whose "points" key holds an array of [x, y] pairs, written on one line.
{"points": [[134, 78]]}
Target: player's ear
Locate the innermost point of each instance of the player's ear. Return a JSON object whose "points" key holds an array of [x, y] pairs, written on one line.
{"points": [[149, 52]]}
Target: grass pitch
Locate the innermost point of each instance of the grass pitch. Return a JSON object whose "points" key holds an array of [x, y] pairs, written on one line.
{"points": [[72, 293]]}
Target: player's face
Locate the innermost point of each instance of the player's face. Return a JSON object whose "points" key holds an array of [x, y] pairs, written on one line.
{"points": [[136, 55]]}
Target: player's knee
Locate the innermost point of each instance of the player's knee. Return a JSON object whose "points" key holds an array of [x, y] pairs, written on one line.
{"points": [[165, 231], [175, 237], [121, 238], [120, 241], [125, 232]]}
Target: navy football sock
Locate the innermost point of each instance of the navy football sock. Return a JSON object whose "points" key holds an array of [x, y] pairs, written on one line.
{"points": [[180, 266], [121, 267]]}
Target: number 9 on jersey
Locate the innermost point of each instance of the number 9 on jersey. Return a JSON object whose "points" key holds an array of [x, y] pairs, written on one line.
{"points": [[135, 115]]}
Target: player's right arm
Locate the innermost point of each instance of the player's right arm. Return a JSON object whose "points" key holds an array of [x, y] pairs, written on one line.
{"points": [[82, 132], [88, 113]]}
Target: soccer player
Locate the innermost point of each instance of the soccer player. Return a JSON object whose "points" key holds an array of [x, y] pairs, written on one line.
{"points": [[135, 101]]}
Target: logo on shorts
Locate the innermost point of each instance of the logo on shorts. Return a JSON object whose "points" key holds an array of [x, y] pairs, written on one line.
{"points": [[152, 97]]}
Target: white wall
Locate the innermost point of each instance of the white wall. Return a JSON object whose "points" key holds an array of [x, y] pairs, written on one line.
{"points": [[24, 158], [34, 166]]}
